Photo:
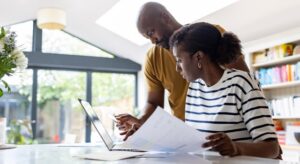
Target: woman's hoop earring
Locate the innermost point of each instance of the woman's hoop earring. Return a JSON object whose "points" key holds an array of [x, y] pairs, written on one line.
{"points": [[199, 66]]}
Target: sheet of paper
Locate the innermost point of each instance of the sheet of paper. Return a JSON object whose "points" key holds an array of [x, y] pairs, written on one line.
{"points": [[163, 132], [110, 155]]}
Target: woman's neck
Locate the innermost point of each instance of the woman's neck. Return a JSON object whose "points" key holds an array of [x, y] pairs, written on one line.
{"points": [[212, 75]]}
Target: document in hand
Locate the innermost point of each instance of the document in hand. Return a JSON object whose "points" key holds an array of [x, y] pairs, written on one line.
{"points": [[163, 132]]}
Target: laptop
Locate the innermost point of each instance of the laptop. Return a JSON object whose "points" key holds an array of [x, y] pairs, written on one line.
{"points": [[109, 143]]}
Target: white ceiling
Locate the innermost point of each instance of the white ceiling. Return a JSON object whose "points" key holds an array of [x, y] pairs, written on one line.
{"points": [[249, 19]]}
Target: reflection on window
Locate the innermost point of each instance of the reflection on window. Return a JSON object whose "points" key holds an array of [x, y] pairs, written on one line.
{"points": [[24, 35], [112, 94], [60, 116], [16, 108], [55, 41]]}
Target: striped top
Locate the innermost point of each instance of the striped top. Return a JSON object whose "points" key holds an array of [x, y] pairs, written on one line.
{"points": [[235, 105]]}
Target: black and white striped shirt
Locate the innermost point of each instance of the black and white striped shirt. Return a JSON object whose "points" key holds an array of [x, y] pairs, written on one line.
{"points": [[235, 105]]}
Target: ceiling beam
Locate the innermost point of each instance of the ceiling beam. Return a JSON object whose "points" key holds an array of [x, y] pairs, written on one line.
{"points": [[81, 63]]}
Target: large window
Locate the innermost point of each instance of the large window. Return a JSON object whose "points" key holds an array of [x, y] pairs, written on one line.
{"points": [[60, 117], [62, 43], [112, 94], [43, 105]]}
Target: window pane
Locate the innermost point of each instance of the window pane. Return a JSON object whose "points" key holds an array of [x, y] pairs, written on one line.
{"points": [[24, 35], [16, 107], [55, 41], [112, 94], [60, 116]]}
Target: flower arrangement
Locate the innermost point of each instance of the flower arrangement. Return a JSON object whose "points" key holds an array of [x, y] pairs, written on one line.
{"points": [[11, 58]]}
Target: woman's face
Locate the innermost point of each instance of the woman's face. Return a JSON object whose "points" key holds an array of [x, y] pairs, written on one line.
{"points": [[187, 64]]}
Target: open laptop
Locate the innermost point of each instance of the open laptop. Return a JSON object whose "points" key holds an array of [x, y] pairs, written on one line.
{"points": [[111, 146]]}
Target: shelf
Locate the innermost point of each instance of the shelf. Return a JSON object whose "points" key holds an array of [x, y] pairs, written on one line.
{"points": [[281, 85], [290, 147], [285, 60], [285, 117]]}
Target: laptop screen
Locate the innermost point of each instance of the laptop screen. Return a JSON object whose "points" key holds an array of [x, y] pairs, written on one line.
{"points": [[97, 123]]}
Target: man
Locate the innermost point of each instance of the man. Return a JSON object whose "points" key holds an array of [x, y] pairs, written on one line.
{"points": [[157, 24]]}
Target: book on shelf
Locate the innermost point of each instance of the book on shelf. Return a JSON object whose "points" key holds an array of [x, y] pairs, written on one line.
{"points": [[279, 74], [281, 137], [273, 53], [285, 107]]}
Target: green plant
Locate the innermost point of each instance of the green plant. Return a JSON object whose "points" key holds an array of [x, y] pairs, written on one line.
{"points": [[20, 132], [11, 58]]}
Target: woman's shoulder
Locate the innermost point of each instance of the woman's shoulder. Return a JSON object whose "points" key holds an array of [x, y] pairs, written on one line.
{"points": [[245, 79]]}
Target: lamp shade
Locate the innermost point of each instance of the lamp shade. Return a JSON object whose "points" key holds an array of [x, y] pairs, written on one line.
{"points": [[51, 18]]}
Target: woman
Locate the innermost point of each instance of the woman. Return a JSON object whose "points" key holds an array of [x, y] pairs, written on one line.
{"points": [[225, 103]]}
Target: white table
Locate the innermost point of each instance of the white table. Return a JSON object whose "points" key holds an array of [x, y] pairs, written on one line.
{"points": [[48, 154]]}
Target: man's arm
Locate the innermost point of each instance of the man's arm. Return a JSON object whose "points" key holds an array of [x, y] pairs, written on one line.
{"points": [[154, 99], [239, 64]]}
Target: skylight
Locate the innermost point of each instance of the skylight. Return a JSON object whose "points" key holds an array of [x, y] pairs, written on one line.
{"points": [[121, 18]]}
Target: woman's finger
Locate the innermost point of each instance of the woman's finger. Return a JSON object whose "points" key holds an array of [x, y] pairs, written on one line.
{"points": [[214, 143], [215, 136]]}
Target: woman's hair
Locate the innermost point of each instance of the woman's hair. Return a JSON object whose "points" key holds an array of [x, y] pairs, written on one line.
{"points": [[220, 48]]}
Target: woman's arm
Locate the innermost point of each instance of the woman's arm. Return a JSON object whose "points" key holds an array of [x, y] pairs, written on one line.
{"points": [[221, 143], [268, 148]]}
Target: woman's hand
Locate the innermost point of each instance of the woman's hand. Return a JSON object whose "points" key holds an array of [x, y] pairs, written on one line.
{"points": [[221, 143]]}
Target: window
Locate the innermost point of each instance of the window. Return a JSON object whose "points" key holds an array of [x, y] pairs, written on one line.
{"points": [[112, 94], [24, 35], [16, 107], [60, 116], [55, 41]]}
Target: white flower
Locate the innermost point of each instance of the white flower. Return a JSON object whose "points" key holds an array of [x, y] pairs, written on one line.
{"points": [[16, 54], [20, 59]]}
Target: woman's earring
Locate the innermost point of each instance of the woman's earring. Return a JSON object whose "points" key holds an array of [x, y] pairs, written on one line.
{"points": [[199, 66]]}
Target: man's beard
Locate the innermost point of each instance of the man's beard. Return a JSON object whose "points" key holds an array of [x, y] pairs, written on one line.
{"points": [[164, 43]]}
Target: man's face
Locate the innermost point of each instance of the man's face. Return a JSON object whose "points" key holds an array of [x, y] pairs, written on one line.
{"points": [[158, 32], [186, 64]]}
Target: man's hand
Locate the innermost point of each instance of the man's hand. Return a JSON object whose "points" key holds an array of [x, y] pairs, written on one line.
{"points": [[221, 143], [127, 124]]}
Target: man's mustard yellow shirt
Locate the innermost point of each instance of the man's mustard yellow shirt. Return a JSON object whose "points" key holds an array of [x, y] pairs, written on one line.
{"points": [[160, 72]]}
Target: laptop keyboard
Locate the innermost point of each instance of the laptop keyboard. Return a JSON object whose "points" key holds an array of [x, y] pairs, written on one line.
{"points": [[132, 150]]}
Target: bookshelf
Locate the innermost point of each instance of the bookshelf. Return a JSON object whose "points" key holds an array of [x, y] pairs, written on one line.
{"points": [[284, 60], [281, 85], [276, 68], [291, 147], [286, 117]]}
